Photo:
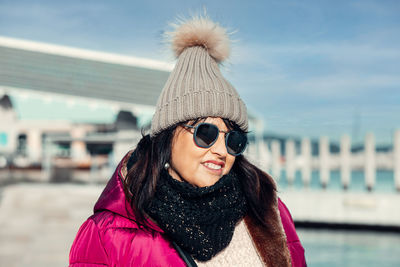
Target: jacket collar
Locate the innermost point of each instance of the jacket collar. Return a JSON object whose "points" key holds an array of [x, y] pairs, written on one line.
{"points": [[271, 243], [113, 196]]}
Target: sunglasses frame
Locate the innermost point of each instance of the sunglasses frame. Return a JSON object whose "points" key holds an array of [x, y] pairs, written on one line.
{"points": [[216, 138]]}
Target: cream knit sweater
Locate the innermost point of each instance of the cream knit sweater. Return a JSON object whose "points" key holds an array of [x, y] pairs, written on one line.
{"points": [[239, 252]]}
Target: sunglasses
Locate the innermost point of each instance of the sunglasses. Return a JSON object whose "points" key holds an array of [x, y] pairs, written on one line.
{"points": [[206, 134]]}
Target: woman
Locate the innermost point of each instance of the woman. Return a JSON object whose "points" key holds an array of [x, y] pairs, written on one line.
{"points": [[186, 195]]}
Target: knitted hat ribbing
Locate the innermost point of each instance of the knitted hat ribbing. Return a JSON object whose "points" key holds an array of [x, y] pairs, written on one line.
{"points": [[196, 87]]}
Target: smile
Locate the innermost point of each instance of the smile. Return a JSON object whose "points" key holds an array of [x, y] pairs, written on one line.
{"points": [[212, 166]]}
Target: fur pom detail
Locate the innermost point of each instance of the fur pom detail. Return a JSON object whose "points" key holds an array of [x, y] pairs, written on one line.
{"points": [[201, 31]]}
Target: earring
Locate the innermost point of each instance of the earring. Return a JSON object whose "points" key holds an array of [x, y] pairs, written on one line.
{"points": [[166, 166]]}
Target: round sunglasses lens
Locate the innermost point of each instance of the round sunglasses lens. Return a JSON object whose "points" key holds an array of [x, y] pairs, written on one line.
{"points": [[236, 142], [206, 134]]}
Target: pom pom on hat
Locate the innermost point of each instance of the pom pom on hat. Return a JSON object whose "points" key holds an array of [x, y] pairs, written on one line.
{"points": [[200, 31]]}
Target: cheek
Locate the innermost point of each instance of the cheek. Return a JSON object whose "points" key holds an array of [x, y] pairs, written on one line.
{"points": [[230, 160], [185, 154]]}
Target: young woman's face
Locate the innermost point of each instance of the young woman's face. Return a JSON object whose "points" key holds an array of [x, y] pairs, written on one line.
{"points": [[199, 166]]}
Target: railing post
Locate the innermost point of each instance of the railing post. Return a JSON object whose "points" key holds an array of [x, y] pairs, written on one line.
{"points": [[306, 161], [324, 170], [370, 161], [265, 156], [276, 159], [345, 166], [34, 145], [396, 160], [290, 152], [46, 162], [78, 147]]}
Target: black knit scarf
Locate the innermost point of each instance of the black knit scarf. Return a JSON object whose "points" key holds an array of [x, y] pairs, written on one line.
{"points": [[201, 220]]}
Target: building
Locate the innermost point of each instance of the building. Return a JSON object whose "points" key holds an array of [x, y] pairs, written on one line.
{"points": [[71, 97], [69, 102]]}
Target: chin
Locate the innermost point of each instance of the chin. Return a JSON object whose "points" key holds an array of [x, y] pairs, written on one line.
{"points": [[211, 181]]}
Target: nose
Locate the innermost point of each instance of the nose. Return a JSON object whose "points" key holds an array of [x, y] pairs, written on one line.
{"points": [[219, 146]]}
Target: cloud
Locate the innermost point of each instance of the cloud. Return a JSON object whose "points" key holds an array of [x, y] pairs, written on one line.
{"points": [[347, 85], [334, 53], [325, 69], [376, 8]]}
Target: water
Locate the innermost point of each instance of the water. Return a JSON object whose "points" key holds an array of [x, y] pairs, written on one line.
{"points": [[384, 181], [344, 247], [350, 248]]}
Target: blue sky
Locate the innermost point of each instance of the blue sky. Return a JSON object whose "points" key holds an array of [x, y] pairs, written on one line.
{"points": [[309, 68]]}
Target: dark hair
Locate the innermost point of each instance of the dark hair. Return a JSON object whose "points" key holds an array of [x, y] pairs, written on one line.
{"points": [[152, 153]]}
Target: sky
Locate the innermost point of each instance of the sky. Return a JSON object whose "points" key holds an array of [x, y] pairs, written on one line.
{"points": [[307, 68]]}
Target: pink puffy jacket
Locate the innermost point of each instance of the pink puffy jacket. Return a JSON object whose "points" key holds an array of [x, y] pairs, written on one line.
{"points": [[111, 237]]}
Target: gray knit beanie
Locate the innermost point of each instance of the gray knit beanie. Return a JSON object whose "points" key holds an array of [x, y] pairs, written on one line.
{"points": [[196, 87]]}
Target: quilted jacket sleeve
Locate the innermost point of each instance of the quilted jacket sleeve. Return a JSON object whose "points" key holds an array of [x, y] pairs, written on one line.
{"points": [[87, 249]]}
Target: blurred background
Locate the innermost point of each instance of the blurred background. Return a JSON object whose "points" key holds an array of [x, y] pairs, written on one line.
{"points": [[321, 79]]}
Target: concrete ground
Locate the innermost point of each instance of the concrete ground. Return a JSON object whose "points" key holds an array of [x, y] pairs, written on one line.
{"points": [[38, 222]]}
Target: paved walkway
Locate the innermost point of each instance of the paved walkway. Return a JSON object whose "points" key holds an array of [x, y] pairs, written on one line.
{"points": [[38, 222]]}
